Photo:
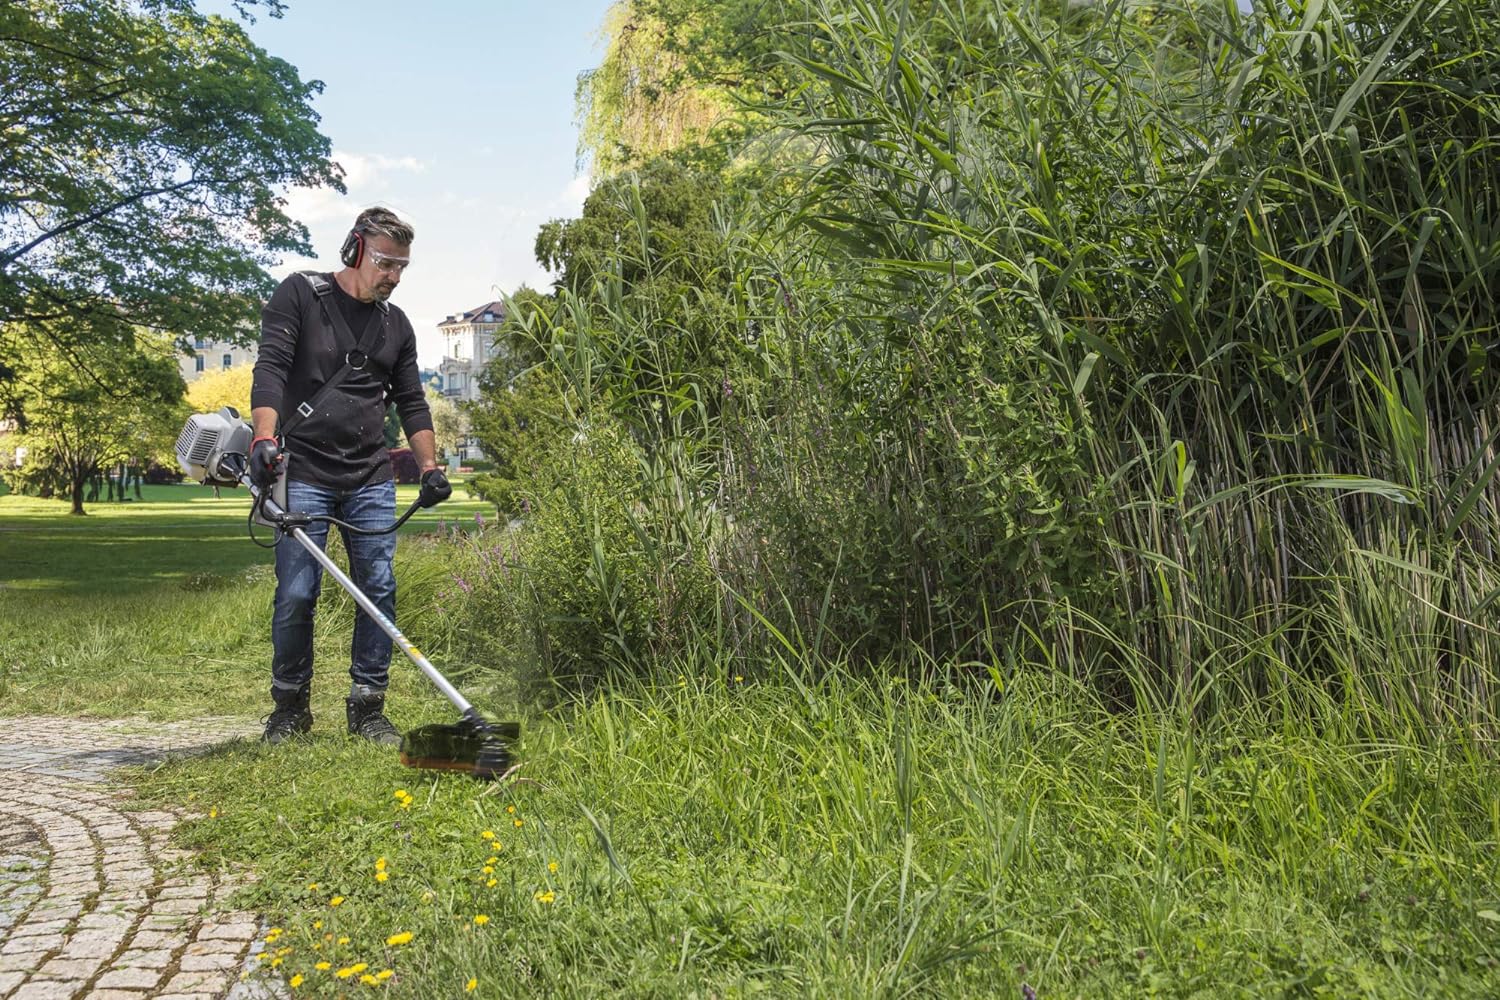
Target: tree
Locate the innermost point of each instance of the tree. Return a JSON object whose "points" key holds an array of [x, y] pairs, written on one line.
{"points": [[144, 149], [450, 424], [77, 423], [654, 223], [227, 387]]}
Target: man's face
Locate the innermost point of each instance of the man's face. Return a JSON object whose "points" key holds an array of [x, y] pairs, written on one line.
{"points": [[383, 264]]}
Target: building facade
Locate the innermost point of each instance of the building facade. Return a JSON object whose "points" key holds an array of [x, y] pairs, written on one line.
{"points": [[213, 355], [468, 345], [469, 342]]}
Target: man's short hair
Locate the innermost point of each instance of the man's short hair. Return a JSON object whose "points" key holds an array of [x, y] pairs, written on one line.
{"points": [[383, 222]]}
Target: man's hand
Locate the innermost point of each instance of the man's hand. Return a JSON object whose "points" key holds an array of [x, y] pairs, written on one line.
{"points": [[265, 462], [435, 488]]}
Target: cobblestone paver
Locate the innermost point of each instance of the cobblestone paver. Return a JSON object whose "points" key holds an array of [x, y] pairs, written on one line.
{"points": [[93, 902]]}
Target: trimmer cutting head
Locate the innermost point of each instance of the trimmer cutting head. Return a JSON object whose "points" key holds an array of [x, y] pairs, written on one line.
{"points": [[480, 748]]}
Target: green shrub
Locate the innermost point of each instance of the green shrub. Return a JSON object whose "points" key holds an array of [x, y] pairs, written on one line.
{"points": [[590, 582]]}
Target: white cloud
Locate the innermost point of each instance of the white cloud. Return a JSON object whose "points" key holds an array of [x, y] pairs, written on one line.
{"points": [[365, 175], [575, 193]]}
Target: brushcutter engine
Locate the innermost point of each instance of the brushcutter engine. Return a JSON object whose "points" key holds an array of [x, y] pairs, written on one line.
{"points": [[210, 444], [214, 449]]}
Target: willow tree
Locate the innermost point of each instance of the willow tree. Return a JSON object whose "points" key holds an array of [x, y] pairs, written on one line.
{"points": [[673, 71]]}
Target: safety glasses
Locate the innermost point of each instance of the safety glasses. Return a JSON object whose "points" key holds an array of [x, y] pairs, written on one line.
{"points": [[386, 264]]}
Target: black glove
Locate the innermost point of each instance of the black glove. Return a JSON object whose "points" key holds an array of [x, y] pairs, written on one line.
{"points": [[265, 462], [435, 488]]}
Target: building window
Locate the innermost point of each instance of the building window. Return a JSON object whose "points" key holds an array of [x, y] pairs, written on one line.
{"points": [[200, 342], [489, 317], [198, 363], [228, 360]]}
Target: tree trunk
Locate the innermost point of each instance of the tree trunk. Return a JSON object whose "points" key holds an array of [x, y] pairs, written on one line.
{"points": [[77, 491]]}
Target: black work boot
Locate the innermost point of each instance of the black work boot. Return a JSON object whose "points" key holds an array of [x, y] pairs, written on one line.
{"points": [[365, 707], [291, 716]]}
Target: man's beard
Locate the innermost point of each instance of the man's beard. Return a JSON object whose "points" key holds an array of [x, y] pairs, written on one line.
{"points": [[383, 292]]}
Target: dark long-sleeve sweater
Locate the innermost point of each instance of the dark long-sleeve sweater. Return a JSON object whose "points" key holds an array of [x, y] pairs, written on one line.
{"points": [[342, 444]]}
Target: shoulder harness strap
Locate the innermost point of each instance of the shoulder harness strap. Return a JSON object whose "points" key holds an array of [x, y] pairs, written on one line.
{"points": [[321, 286]]}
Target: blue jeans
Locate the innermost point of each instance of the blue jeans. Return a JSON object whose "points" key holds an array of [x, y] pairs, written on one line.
{"points": [[299, 578]]}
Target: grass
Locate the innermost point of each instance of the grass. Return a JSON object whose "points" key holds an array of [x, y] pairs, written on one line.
{"points": [[159, 607], [720, 838], [722, 835]]}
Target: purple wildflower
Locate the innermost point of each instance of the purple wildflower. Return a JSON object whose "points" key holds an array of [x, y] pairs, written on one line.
{"points": [[464, 584], [479, 519], [1027, 993]]}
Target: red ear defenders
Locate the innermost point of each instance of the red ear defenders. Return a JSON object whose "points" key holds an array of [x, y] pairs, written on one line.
{"points": [[353, 250]]}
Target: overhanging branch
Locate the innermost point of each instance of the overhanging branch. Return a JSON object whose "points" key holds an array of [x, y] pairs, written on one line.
{"points": [[100, 213]]}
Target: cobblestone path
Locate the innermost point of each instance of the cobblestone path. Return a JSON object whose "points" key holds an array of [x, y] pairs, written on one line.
{"points": [[93, 903]]}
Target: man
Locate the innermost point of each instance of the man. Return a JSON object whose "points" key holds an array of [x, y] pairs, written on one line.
{"points": [[314, 329]]}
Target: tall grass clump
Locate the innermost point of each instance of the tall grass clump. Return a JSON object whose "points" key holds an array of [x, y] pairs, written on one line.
{"points": [[1151, 344], [1165, 343]]}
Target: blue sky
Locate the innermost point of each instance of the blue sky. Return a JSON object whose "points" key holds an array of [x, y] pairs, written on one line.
{"points": [[459, 115]]}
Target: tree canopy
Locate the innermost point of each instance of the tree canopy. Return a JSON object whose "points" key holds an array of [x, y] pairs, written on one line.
{"points": [[77, 424], [672, 71], [145, 149]]}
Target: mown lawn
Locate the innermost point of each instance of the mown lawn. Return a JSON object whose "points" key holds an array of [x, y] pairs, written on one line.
{"points": [[709, 833], [158, 606]]}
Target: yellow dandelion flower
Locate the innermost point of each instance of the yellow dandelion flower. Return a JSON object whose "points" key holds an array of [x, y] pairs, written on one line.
{"points": [[739, 678], [380, 864], [545, 897], [263, 956], [488, 869], [285, 951], [344, 939], [384, 974], [481, 919], [488, 835], [552, 866], [403, 938], [470, 985], [491, 884], [317, 925], [359, 966], [345, 972], [312, 887], [510, 809], [400, 793], [491, 860], [296, 981], [405, 803], [323, 966], [369, 980], [382, 876], [336, 901], [517, 822], [277, 961], [213, 813], [273, 932]]}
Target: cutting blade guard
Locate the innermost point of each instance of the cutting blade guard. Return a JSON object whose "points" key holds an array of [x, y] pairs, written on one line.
{"points": [[473, 745]]}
